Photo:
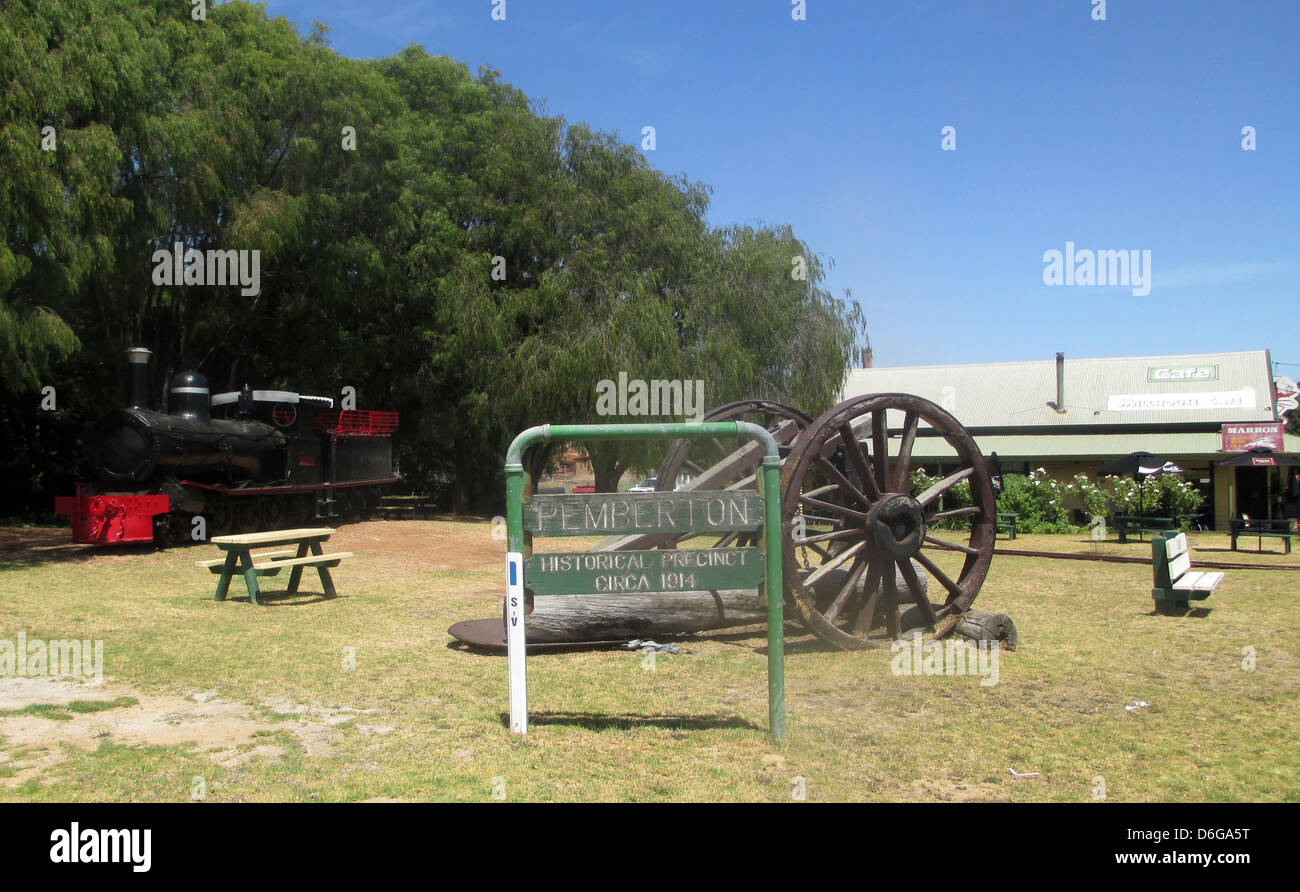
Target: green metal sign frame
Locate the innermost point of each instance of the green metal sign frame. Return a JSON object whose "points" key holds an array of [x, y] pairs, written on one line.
{"points": [[519, 547]]}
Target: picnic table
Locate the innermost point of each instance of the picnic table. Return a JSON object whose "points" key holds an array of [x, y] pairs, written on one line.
{"points": [[1131, 523], [1006, 523], [416, 504], [1259, 528], [239, 558]]}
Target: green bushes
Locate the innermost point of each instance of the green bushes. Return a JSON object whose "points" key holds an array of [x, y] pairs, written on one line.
{"points": [[1044, 504], [1038, 499]]}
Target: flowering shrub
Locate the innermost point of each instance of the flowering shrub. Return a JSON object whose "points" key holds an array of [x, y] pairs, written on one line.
{"points": [[1038, 499], [1043, 504]]}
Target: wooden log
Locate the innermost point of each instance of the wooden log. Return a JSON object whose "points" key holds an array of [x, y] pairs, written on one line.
{"points": [[571, 618], [977, 625]]}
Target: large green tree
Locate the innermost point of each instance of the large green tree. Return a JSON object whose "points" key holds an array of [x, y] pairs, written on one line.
{"points": [[425, 235]]}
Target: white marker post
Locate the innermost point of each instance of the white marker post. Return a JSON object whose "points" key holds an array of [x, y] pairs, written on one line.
{"points": [[515, 646]]}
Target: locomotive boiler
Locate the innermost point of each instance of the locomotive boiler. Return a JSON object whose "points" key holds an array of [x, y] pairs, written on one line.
{"points": [[241, 461]]}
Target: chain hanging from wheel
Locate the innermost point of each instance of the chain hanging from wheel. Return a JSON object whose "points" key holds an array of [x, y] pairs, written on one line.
{"points": [[848, 508]]}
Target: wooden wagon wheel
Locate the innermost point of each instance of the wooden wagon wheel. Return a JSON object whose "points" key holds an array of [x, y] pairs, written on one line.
{"points": [[697, 456], [716, 464], [842, 489]]}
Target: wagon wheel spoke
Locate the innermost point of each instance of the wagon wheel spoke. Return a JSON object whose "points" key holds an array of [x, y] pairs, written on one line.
{"points": [[880, 447], [903, 464], [818, 519], [942, 486], [955, 512], [845, 485], [726, 540], [860, 463], [891, 604], [834, 562], [722, 450], [838, 509], [954, 590], [952, 546], [822, 490], [827, 537], [918, 593], [866, 616], [846, 591]]}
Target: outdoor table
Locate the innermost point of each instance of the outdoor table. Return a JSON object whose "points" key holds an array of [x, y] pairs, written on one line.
{"points": [[1259, 528], [415, 503], [1134, 523], [240, 559]]}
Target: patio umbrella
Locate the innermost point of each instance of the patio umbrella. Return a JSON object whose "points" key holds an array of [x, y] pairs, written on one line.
{"points": [[1135, 463], [1263, 458], [1140, 463]]}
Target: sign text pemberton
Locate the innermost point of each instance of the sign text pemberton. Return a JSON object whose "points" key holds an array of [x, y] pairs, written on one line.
{"points": [[650, 512]]}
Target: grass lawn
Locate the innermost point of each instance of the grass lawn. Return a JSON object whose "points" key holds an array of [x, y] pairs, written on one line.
{"points": [[364, 697]]}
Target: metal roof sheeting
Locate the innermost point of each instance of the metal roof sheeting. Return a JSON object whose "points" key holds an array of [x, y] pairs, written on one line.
{"points": [[1133, 390], [1066, 447]]}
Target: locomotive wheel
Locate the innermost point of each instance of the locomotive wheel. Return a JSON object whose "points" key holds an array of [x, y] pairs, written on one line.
{"points": [[276, 512], [851, 500], [248, 515], [220, 515]]}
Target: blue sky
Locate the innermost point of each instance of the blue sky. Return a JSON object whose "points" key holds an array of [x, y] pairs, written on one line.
{"points": [[1122, 134]]}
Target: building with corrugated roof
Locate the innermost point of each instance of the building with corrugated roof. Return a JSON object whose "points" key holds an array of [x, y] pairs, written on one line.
{"points": [[1071, 415]]}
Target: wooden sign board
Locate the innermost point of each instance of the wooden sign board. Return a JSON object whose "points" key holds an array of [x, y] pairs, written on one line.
{"points": [[603, 514], [634, 572]]}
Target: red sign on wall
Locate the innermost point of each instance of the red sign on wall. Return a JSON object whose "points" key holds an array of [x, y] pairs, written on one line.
{"points": [[1255, 435]]}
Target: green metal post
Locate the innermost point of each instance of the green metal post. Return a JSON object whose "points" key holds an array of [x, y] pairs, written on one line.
{"points": [[774, 591]]}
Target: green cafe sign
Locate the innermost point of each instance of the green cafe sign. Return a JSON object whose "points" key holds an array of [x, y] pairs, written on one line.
{"points": [[1181, 373]]}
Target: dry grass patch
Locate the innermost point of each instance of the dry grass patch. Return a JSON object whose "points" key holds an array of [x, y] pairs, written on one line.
{"points": [[417, 719]]}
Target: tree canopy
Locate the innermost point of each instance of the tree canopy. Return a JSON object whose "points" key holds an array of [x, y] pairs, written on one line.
{"points": [[425, 235]]}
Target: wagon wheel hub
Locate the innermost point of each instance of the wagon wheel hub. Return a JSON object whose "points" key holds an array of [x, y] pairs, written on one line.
{"points": [[897, 525]]}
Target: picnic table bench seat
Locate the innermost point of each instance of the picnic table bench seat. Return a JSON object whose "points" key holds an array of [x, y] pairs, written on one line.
{"points": [[1175, 582], [1006, 523]]}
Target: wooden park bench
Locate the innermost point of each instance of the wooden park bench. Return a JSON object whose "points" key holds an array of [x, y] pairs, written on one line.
{"points": [[1260, 528], [1007, 524], [239, 559], [1129, 523], [1175, 582]]}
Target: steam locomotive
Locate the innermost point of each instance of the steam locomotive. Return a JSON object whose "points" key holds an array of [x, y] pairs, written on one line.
{"points": [[242, 461]]}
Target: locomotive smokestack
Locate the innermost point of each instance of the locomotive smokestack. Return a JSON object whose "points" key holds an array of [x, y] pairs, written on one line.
{"points": [[137, 362]]}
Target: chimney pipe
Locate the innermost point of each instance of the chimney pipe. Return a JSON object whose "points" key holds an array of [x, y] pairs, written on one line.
{"points": [[1060, 384], [137, 360], [866, 357]]}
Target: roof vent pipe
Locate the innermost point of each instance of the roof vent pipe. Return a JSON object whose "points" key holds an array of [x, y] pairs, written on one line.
{"points": [[1059, 406]]}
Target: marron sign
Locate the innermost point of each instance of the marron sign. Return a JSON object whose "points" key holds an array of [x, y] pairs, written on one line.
{"points": [[1260, 435], [602, 514]]}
